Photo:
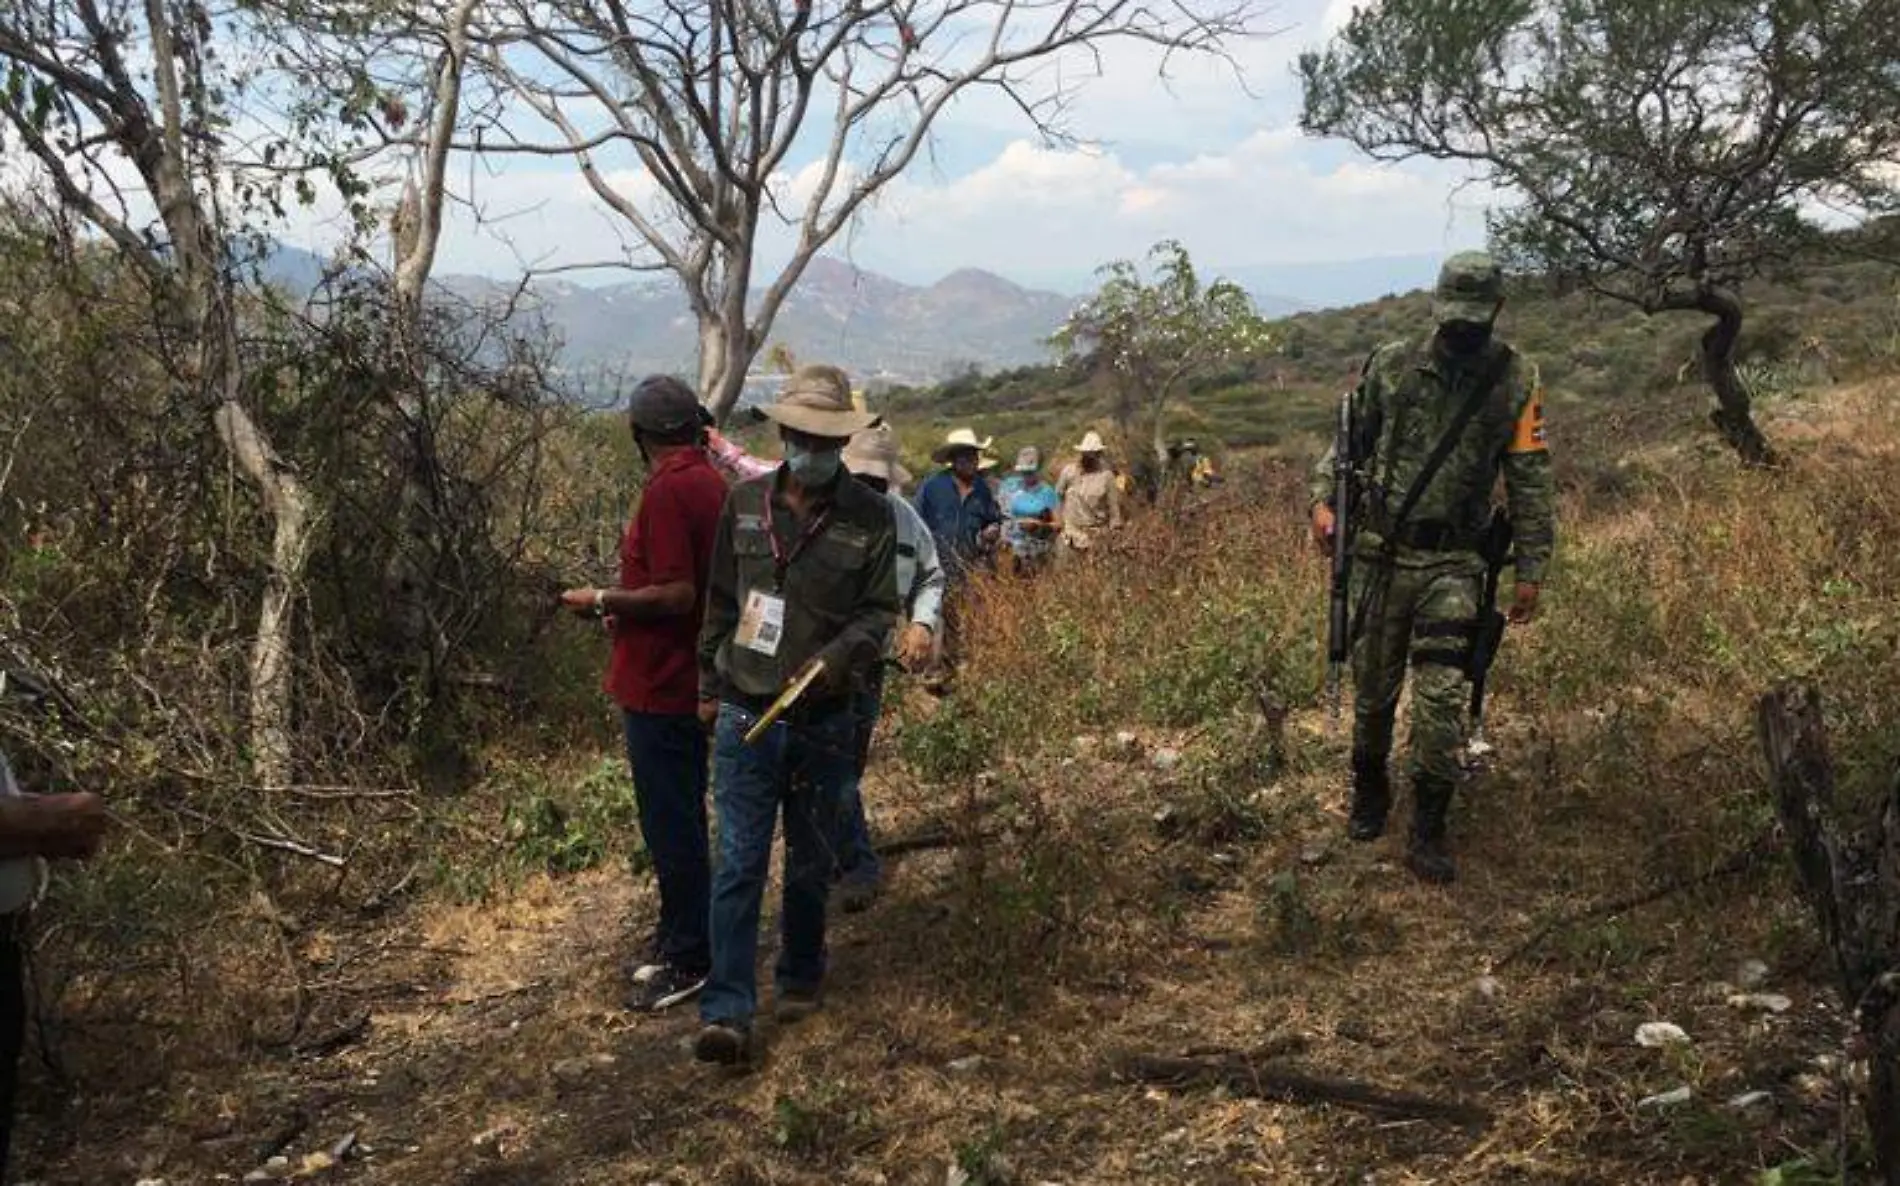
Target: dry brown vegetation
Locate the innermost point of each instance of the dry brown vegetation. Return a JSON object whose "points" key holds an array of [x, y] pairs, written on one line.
{"points": [[1103, 898]]}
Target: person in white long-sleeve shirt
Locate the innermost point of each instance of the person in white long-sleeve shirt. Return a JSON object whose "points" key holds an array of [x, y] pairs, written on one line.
{"points": [[872, 458]]}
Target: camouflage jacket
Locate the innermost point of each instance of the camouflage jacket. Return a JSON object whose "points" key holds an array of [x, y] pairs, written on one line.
{"points": [[1407, 398]]}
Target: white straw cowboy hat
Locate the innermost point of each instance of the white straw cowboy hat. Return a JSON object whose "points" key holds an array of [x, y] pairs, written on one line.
{"points": [[874, 454], [960, 438], [1092, 443], [816, 401]]}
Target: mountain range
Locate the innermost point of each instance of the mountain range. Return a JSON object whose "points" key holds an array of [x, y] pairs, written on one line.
{"points": [[870, 324]]}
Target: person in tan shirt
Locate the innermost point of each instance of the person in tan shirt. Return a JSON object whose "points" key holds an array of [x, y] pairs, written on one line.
{"points": [[1091, 500]]}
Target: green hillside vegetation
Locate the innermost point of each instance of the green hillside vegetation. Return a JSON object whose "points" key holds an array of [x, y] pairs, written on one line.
{"points": [[1608, 368]]}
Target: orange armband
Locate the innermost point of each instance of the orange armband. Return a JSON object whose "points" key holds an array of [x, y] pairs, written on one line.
{"points": [[1529, 435]]}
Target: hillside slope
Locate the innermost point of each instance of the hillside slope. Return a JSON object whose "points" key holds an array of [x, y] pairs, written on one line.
{"points": [[1612, 373], [1127, 857]]}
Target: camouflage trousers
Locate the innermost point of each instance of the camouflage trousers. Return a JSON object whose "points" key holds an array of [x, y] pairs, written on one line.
{"points": [[1424, 620]]}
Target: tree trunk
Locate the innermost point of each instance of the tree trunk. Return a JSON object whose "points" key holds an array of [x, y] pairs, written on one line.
{"points": [[722, 365], [1732, 414], [272, 700], [1850, 872]]}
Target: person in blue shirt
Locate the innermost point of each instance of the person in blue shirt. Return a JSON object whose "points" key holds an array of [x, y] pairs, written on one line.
{"points": [[1033, 513], [961, 512], [958, 507]]}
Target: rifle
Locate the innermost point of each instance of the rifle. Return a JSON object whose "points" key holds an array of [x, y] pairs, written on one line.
{"points": [[1496, 550], [1339, 608]]}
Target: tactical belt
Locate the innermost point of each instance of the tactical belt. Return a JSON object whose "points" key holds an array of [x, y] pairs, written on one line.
{"points": [[1435, 537]]}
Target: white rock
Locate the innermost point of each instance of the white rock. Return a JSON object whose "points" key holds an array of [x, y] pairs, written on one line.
{"points": [[1752, 974], [1165, 760], [1770, 1002], [1488, 987], [1660, 1033], [1667, 1099], [1748, 1099], [150, 1182], [965, 1065]]}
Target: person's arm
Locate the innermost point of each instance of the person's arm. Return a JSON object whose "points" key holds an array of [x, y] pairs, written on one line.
{"points": [[722, 607], [672, 590], [1367, 401], [53, 826], [1531, 490], [1114, 503], [926, 605], [731, 459]]}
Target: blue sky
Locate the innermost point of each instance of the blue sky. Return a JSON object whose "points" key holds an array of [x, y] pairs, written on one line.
{"points": [[1201, 157]]}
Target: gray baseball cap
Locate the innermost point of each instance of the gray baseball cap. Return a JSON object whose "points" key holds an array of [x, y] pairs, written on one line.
{"points": [[662, 404]]}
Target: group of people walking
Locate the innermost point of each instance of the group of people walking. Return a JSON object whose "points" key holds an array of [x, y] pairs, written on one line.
{"points": [[759, 608], [1021, 523]]}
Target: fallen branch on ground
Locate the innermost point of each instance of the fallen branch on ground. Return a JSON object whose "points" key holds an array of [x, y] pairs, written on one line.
{"points": [[1738, 862], [1246, 1077]]}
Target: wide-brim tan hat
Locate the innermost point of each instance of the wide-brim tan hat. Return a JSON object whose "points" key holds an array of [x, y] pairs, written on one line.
{"points": [[960, 438], [816, 400], [1092, 443], [874, 454]]}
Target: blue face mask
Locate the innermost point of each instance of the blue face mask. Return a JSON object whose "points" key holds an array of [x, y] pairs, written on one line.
{"points": [[811, 467]]}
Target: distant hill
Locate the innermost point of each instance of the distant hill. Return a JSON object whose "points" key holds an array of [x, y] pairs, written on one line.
{"points": [[869, 324], [872, 325]]}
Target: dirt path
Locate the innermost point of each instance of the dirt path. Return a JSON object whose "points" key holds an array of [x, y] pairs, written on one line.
{"points": [[974, 1013]]}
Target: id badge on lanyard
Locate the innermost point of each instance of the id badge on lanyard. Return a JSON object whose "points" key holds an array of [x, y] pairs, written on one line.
{"points": [[762, 619]]}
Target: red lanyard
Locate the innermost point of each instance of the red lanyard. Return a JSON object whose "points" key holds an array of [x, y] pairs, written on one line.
{"points": [[781, 559]]}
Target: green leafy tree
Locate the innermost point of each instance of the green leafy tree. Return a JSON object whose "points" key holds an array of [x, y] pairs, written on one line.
{"points": [[1663, 152], [1153, 336]]}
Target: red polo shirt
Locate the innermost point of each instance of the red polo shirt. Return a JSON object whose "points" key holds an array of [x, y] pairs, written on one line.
{"points": [[655, 664]]}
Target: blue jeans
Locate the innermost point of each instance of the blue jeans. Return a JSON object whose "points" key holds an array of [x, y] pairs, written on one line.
{"points": [[857, 860], [668, 755], [804, 766]]}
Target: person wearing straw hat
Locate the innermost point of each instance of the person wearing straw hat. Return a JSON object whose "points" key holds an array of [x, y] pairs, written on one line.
{"points": [[1091, 497], [1034, 510], [872, 457], [802, 595], [958, 505], [960, 509]]}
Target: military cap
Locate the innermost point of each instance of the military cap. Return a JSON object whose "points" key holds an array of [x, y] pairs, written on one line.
{"points": [[1470, 286]]}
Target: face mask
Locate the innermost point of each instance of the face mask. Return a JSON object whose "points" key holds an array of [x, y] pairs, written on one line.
{"points": [[811, 467], [1462, 337]]}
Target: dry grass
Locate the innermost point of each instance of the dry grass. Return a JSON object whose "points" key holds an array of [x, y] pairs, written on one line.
{"points": [[1080, 924]]}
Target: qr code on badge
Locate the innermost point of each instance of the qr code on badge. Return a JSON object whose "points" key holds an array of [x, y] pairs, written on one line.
{"points": [[768, 635]]}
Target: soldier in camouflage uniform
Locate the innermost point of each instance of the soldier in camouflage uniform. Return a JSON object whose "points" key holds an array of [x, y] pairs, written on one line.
{"points": [[1417, 582]]}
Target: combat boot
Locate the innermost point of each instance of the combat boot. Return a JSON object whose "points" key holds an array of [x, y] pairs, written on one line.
{"points": [[1428, 856], [1371, 797]]}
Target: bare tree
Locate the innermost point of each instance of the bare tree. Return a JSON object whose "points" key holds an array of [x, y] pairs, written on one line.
{"points": [[719, 101], [105, 92]]}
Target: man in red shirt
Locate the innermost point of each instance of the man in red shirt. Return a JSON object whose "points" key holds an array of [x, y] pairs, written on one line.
{"points": [[654, 614]]}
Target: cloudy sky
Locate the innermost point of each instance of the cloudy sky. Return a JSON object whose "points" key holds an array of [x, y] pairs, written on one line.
{"points": [[1202, 156]]}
